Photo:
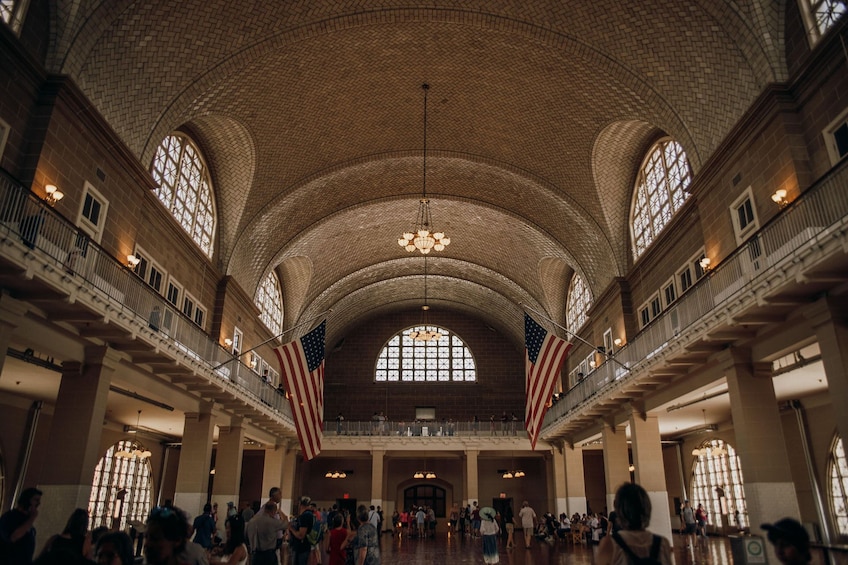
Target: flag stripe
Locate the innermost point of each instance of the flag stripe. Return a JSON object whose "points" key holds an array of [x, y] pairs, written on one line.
{"points": [[544, 356]]}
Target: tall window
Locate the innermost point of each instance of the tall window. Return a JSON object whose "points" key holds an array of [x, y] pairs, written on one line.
{"points": [[12, 13], [820, 15], [579, 302], [660, 192], [269, 299], [839, 486], [717, 482], [121, 488], [184, 188], [426, 495], [441, 360]]}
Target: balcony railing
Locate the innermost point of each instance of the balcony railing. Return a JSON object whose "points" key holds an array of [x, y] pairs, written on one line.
{"points": [[425, 429], [811, 219], [27, 220]]}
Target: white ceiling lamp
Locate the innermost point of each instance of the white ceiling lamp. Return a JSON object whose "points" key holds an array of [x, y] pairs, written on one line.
{"points": [[424, 238]]}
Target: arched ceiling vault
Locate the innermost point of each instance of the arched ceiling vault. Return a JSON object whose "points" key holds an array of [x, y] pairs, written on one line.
{"points": [[310, 118]]}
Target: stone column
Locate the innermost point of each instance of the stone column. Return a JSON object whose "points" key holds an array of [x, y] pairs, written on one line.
{"points": [[558, 474], [195, 458], [289, 475], [575, 482], [650, 471], [74, 442], [228, 461], [616, 460], [760, 444], [471, 478], [829, 322], [377, 457], [11, 314], [272, 472]]}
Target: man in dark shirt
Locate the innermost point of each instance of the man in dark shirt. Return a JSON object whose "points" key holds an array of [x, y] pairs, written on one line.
{"points": [[17, 534], [298, 529], [204, 528]]}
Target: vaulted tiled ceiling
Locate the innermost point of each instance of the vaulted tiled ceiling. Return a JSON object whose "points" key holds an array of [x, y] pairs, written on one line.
{"points": [[310, 117]]}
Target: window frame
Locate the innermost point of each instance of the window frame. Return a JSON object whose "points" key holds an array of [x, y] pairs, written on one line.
{"points": [[415, 363], [94, 231], [837, 473], [811, 24], [106, 481], [172, 282], [670, 283], [17, 15], [729, 467], [829, 137], [5, 129], [148, 264], [744, 232], [263, 299], [585, 300]]}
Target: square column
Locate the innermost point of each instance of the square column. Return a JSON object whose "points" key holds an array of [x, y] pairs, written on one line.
{"points": [[471, 477], [377, 459], [272, 472], [195, 459], [74, 442], [558, 477], [760, 444], [650, 471], [616, 460], [228, 463], [829, 323], [289, 475], [575, 482]]}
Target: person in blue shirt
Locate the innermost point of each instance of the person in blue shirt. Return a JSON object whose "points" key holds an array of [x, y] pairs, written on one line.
{"points": [[204, 528]]}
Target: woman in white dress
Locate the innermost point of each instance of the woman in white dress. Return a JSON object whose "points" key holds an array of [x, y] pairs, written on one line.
{"points": [[235, 550]]}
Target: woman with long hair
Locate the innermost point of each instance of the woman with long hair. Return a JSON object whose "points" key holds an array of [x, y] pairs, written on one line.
{"points": [[166, 537], [235, 550], [633, 541]]}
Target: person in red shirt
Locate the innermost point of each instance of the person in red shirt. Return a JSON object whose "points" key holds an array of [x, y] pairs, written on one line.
{"points": [[338, 535]]}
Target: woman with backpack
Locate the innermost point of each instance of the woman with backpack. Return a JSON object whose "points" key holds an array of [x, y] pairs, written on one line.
{"points": [[633, 544]]}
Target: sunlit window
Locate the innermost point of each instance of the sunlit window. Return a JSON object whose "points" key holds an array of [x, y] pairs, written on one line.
{"points": [[839, 486], [717, 482], [184, 188], [660, 192], [269, 299], [7, 8], [579, 302], [820, 15], [121, 488], [404, 359], [12, 13]]}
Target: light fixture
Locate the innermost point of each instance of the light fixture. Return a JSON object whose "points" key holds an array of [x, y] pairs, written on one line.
{"points": [[418, 475], [53, 194], [512, 474], [135, 453], [426, 332], [617, 342], [422, 238], [705, 263], [631, 468], [779, 197], [228, 342], [424, 475], [337, 474], [133, 261], [708, 450]]}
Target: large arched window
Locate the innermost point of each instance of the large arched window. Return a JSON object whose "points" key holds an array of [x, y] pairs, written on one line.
{"points": [[121, 488], [404, 359], [269, 300], [579, 302], [838, 468], [184, 188], [717, 482], [660, 191]]}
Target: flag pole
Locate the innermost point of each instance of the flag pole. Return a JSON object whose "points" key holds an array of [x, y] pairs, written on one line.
{"points": [[575, 336], [304, 323]]}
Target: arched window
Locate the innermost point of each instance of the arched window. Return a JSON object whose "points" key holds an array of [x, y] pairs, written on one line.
{"points": [[820, 15], [579, 302], [660, 192], [269, 299], [839, 486], [717, 482], [426, 495], [121, 488], [404, 359], [184, 188]]}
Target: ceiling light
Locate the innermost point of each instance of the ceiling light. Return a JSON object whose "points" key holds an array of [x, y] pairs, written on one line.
{"points": [[422, 237], [53, 194], [779, 197]]}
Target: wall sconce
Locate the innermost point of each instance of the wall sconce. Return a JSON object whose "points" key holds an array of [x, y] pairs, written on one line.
{"points": [[779, 197], [133, 261], [53, 194], [228, 342], [617, 342], [705, 263]]}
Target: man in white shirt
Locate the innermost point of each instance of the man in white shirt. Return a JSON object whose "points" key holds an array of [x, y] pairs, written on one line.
{"points": [[528, 522]]}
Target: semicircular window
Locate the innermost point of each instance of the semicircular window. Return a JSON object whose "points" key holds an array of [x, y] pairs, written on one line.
{"points": [[659, 193], [184, 188], [269, 300], [404, 359], [579, 302]]}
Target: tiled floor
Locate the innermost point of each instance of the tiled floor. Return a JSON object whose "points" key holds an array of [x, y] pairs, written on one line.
{"points": [[446, 550]]}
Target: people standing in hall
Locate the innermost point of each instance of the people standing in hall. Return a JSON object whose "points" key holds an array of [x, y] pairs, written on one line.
{"points": [[509, 525], [701, 519], [235, 549], [276, 495], [489, 530], [528, 522], [17, 532], [204, 528], [338, 535], [166, 537], [366, 548], [475, 520], [72, 546], [114, 548], [420, 517], [299, 546], [633, 541], [689, 523], [262, 536], [791, 541]]}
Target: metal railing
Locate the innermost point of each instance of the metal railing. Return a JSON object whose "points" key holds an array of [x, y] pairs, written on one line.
{"points": [[424, 429], [29, 221], [812, 218]]}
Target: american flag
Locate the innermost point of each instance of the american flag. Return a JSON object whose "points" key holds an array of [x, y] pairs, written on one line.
{"points": [[302, 367], [544, 355]]}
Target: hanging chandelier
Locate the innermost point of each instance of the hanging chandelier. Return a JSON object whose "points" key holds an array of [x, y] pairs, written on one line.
{"points": [[424, 331], [136, 453], [424, 475], [337, 474], [423, 237], [516, 474]]}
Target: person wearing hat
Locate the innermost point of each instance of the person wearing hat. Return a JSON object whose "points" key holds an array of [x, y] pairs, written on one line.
{"points": [[791, 541], [300, 546], [489, 530]]}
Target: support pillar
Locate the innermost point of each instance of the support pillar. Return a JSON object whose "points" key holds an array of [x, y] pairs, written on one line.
{"points": [[829, 323], [377, 458], [760, 444], [471, 477], [74, 442], [195, 459], [575, 482], [287, 486], [228, 461], [272, 472], [616, 460], [558, 462], [650, 471]]}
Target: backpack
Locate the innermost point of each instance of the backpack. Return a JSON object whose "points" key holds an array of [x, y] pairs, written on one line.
{"points": [[316, 534], [653, 556]]}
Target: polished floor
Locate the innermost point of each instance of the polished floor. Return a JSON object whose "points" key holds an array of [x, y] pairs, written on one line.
{"points": [[445, 550]]}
